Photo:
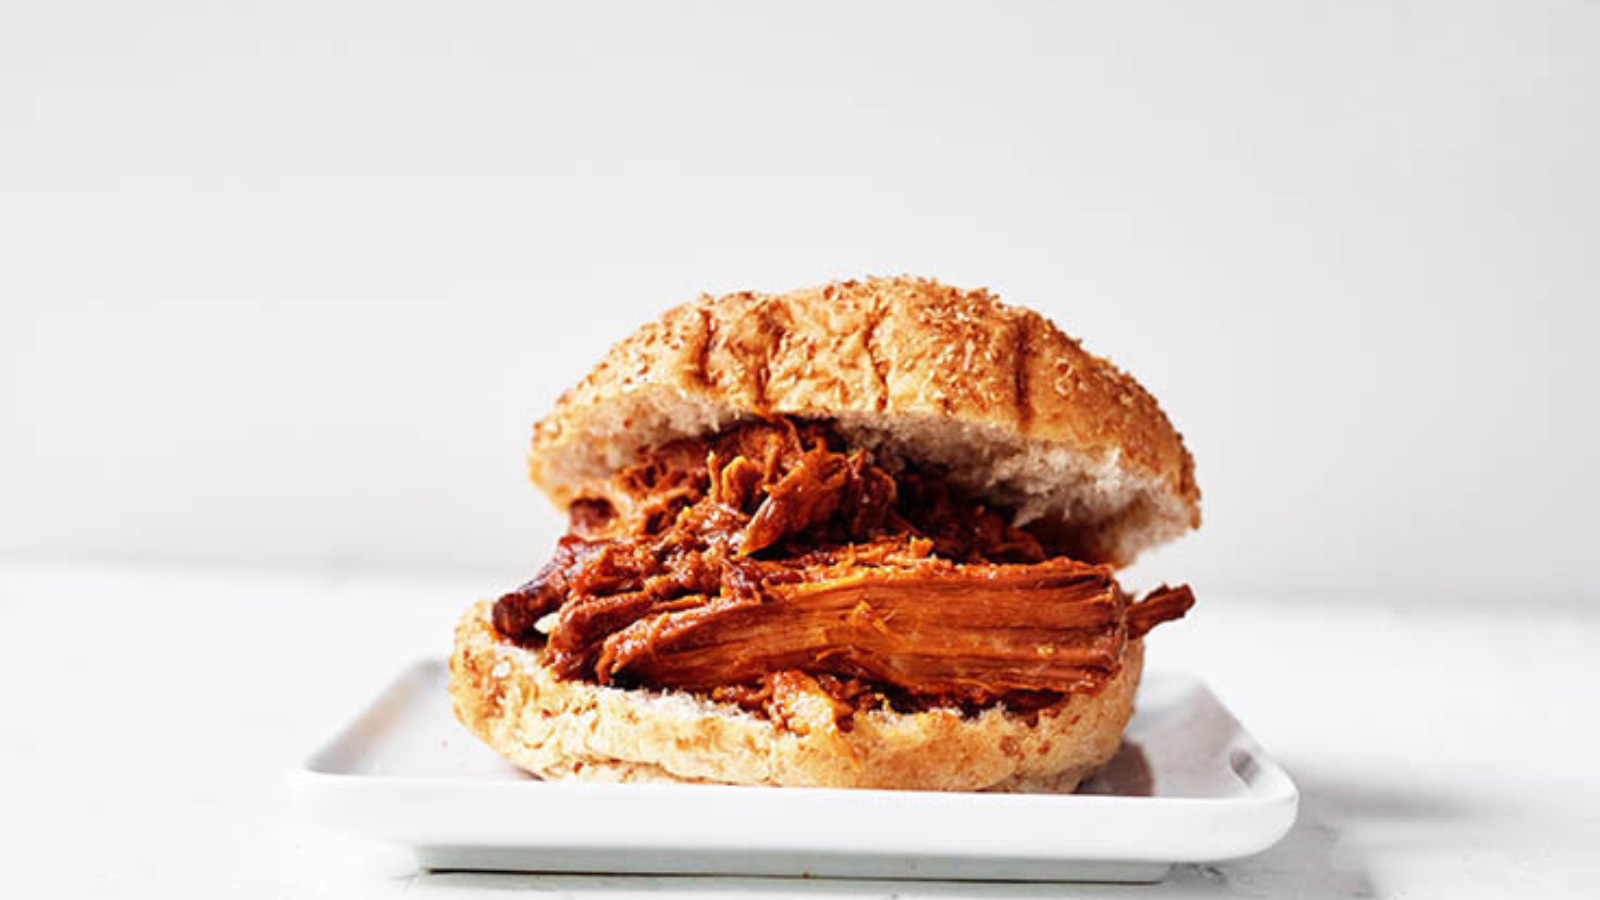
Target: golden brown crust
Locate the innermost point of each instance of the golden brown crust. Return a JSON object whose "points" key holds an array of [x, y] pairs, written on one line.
{"points": [[1064, 433], [575, 730]]}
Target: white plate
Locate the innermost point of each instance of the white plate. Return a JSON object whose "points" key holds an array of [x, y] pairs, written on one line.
{"points": [[1188, 785]]}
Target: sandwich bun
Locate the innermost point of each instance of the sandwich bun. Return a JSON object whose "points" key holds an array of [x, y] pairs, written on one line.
{"points": [[574, 730], [1016, 410]]}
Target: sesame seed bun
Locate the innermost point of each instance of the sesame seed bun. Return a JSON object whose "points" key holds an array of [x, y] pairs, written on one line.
{"points": [[574, 730], [1014, 408]]}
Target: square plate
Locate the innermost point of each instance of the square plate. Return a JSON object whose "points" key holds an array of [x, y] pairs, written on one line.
{"points": [[1187, 785]]}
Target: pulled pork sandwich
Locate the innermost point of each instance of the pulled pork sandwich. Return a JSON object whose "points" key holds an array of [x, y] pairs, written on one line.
{"points": [[863, 535]]}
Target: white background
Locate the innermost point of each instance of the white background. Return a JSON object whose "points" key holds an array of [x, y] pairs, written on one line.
{"points": [[285, 285]]}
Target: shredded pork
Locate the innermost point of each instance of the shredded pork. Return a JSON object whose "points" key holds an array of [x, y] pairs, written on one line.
{"points": [[773, 560]]}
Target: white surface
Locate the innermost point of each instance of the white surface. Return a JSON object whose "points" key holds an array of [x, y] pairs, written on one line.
{"points": [[150, 720], [1187, 785], [288, 282]]}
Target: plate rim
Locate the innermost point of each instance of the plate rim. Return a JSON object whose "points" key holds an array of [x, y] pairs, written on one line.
{"points": [[1258, 819]]}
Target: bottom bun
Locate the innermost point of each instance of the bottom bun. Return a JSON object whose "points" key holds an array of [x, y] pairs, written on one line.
{"points": [[577, 730]]}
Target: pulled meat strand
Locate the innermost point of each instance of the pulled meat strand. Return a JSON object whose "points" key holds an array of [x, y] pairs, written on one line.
{"points": [[1160, 605], [771, 562], [974, 631]]}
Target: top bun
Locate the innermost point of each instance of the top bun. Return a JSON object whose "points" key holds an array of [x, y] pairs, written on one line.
{"points": [[1011, 406]]}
